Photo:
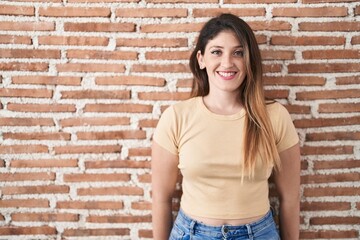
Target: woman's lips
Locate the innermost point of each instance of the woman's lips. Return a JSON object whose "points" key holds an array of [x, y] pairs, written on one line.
{"points": [[226, 75]]}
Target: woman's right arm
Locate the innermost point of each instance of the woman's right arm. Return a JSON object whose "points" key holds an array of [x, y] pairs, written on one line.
{"points": [[164, 177]]}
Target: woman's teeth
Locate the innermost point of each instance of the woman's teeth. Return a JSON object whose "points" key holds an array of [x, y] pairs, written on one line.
{"points": [[227, 74]]}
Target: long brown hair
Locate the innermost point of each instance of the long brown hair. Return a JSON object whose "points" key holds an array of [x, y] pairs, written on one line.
{"points": [[259, 140]]}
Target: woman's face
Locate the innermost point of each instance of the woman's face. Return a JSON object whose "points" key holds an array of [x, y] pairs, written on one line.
{"points": [[224, 63]]}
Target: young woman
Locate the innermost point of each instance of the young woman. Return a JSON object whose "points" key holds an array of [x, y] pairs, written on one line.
{"points": [[226, 141]]}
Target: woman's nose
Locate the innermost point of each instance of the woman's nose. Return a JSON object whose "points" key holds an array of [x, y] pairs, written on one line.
{"points": [[227, 61]]}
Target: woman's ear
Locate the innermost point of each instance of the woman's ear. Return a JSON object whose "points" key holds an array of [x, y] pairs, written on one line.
{"points": [[200, 59]]}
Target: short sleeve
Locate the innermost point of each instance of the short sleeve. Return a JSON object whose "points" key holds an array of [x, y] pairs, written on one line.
{"points": [[166, 129], [284, 129]]}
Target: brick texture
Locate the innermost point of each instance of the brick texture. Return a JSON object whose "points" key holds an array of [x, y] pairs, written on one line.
{"points": [[83, 84]]}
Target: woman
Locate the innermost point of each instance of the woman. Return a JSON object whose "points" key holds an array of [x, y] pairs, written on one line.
{"points": [[226, 141]]}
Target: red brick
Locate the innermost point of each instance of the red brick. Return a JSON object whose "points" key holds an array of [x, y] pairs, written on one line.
{"points": [[94, 121], [327, 1], [168, 55], [184, 83], [73, 40], [163, 95], [96, 231], [75, 149], [141, 205], [357, 10], [105, 1], [139, 152], [17, 10], [29, 53], [295, 81], [41, 107], [151, 12], [152, 42], [17, 149], [182, 1], [272, 68], [213, 12], [144, 233], [103, 191], [26, 122], [331, 54], [131, 80], [259, 1], [339, 107], [130, 134], [348, 80], [46, 80], [46, 1], [98, 27], [21, 66], [51, 189], [103, 205], [276, 94], [326, 150], [18, 230], [326, 122], [38, 136], [310, 12], [334, 220], [298, 109], [342, 26], [24, 203], [171, 27], [30, 93], [118, 219], [90, 67], [95, 94], [117, 164], [44, 163], [39, 176], [330, 94], [44, 217], [145, 178], [331, 191], [277, 55], [329, 178], [74, 12], [307, 41], [323, 67], [355, 40], [12, 39], [336, 164], [169, 68], [325, 206], [330, 136], [128, 108], [106, 55], [96, 177], [270, 25], [328, 234], [27, 26]]}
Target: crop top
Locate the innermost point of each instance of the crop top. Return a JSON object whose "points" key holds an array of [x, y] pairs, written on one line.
{"points": [[209, 147]]}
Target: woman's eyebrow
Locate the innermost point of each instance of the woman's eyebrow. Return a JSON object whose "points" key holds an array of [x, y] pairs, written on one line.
{"points": [[240, 46]]}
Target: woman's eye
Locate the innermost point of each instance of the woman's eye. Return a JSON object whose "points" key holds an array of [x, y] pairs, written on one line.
{"points": [[239, 53], [216, 52]]}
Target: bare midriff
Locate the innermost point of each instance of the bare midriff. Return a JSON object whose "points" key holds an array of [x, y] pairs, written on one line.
{"points": [[219, 222]]}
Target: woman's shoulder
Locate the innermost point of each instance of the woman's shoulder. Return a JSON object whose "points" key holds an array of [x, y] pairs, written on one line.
{"points": [[185, 105], [276, 109]]}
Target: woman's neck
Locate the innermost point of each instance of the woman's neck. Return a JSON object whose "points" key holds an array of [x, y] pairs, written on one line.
{"points": [[224, 104]]}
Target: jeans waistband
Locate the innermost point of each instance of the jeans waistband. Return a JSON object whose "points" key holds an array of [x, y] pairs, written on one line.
{"points": [[226, 230]]}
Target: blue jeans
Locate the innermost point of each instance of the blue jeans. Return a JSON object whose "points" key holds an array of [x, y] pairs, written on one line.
{"points": [[186, 228]]}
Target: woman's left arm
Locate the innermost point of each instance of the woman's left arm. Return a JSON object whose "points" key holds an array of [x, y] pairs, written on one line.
{"points": [[287, 181]]}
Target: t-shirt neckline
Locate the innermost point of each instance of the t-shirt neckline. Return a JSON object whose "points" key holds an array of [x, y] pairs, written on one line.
{"points": [[230, 117]]}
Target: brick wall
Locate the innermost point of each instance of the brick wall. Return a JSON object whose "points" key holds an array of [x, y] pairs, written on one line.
{"points": [[83, 83]]}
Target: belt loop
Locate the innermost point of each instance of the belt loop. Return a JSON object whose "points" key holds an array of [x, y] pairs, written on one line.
{"points": [[192, 227], [249, 231]]}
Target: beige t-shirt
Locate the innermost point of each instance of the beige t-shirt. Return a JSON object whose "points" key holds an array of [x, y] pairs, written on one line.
{"points": [[209, 147]]}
